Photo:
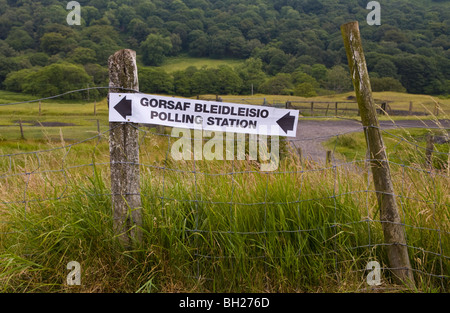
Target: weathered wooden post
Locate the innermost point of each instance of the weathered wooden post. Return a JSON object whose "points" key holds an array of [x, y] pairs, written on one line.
{"points": [[98, 127], [124, 153], [383, 108], [393, 230], [429, 151], [300, 155], [436, 108], [328, 158], [22, 136]]}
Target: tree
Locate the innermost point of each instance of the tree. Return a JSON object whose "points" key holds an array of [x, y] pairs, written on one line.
{"points": [[198, 43], [338, 79], [319, 72], [385, 68], [447, 87], [155, 48], [218, 44], [300, 77], [90, 14], [98, 73], [419, 74], [252, 75], [277, 85], [284, 34], [19, 39], [177, 44], [14, 81], [237, 47], [6, 50], [38, 59], [52, 43], [124, 15], [82, 55], [204, 81], [8, 65], [277, 62], [305, 90], [155, 80], [386, 84], [50, 80], [305, 84], [138, 29], [182, 81], [228, 81]]}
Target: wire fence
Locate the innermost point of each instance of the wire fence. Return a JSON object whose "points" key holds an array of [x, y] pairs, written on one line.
{"points": [[348, 107], [309, 222]]}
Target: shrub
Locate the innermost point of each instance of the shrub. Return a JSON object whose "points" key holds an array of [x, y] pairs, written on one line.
{"points": [[386, 84]]}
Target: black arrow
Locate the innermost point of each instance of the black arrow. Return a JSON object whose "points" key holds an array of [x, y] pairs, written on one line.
{"points": [[287, 122], [124, 107]]}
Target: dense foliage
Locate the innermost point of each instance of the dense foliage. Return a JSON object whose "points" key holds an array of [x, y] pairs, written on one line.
{"points": [[290, 46]]}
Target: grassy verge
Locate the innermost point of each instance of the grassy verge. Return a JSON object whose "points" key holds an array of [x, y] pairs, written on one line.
{"points": [[406, 147]]}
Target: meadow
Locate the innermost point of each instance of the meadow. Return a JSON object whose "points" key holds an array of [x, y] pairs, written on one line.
{"points": [[209, 226], [182, 62]]}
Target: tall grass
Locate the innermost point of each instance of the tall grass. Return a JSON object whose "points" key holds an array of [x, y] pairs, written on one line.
{"points": [[216, 226], [208, 225]]}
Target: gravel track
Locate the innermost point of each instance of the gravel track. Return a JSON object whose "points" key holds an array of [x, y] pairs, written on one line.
{"points": [[311, 134]]}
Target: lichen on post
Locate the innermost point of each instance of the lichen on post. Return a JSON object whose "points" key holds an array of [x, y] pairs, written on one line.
{"points": [[124, 153], [393, 230]]}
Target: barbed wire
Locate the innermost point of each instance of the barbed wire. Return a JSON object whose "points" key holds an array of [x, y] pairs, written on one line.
{"points": [[68, 93], [168, 171]]}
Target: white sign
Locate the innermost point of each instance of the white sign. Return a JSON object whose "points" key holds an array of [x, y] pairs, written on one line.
{"points": [[205, 115]]}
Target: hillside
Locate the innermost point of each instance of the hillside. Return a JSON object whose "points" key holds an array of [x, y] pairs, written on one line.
{"points": [[282, 46]]}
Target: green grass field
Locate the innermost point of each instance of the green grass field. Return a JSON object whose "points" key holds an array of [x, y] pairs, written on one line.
{"points": [[302, 228], [421, 104], [81, 113], [180, 63], [404, 146]]}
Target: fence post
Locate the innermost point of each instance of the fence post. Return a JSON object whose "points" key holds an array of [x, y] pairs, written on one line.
{"points": [[429, 151], [98, 127], [124, 154], [300, 155], [22, 136], [383, 108], [393, 230], [328, 158]]}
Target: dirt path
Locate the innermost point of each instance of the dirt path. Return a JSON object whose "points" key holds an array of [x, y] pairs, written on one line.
{"points": [[311, 134]]}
